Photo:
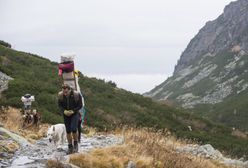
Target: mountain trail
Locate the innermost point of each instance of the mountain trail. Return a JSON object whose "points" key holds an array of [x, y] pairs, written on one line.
{"points": [[30, 148]]}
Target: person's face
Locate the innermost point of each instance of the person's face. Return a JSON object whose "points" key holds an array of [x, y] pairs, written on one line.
{"points": [[65, 90]]}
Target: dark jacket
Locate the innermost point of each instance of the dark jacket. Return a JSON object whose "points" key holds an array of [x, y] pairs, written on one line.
{"points": [[72, 102]]}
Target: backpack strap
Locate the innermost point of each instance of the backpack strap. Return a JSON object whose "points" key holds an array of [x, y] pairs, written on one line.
{"points": [[60, 96], [76, 95]]}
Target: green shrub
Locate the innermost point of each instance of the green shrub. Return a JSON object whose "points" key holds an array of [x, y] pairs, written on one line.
{"points": [[5, 44]]}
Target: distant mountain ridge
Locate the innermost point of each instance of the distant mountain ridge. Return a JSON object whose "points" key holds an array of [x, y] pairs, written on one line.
{"points": [[211, 76]]}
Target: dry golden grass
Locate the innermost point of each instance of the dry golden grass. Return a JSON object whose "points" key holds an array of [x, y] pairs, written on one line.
{"points": [[11, 118], [239, 134], [54, 164], [89, 131], [146, 148], [12, 147], [7, 146]]}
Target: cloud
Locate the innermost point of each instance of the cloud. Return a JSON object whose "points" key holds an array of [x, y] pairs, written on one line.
{"points": [[137, 83]]}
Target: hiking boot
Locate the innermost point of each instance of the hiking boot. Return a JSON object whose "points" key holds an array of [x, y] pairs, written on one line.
{"points": [[75, 147], [70, 149]]}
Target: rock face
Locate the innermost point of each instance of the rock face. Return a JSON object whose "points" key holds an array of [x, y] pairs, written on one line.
{"points": [[228, 30], [213, 68], [4, 80], [207, 151]]}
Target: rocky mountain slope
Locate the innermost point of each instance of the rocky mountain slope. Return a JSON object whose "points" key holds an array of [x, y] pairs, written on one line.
{"points": [[211, 76], [228, 31]]}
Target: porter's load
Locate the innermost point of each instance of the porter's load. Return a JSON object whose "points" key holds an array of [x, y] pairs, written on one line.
{"points": [[66, 67], [66, 70], [27, 100], [67, 57], [66, 63]]}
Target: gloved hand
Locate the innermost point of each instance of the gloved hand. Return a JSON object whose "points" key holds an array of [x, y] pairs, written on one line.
{"points": [[68, 113]]}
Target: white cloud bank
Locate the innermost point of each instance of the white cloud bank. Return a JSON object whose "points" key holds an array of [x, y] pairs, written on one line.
{"points": [[136, 83]]}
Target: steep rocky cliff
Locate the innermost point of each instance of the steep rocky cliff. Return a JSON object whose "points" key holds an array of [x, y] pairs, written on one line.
{"points": [[212, 72], [227, 31]]}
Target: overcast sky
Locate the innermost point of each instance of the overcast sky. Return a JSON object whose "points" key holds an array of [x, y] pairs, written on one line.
{"points": [[135, 43]]}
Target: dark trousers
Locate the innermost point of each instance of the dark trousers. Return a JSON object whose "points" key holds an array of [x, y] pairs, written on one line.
{"points": [[71, 123]]}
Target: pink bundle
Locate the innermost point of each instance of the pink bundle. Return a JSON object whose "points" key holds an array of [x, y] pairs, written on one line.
{"points": [[66, 67]]}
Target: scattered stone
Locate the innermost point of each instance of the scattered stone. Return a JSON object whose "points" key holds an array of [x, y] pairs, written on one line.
{"points": [[3, 155], [100, 137], [3, 163], [41, 143], [208, 152], [131, 164]]}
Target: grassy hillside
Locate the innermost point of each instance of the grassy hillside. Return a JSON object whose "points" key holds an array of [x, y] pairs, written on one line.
{"points": [[107, 105]]}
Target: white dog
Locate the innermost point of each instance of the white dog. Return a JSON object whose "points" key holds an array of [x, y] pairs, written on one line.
{"points": [[57, 134]]}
